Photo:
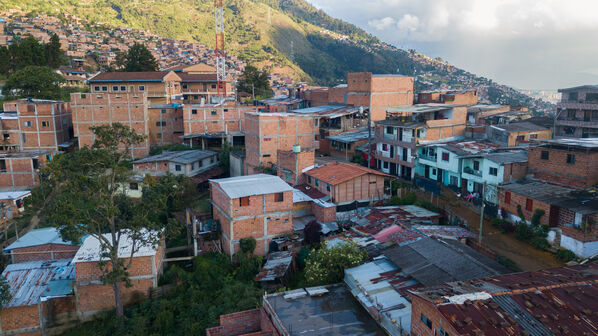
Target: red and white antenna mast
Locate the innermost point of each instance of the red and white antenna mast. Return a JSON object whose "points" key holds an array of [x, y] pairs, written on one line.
{"points": [[220, 52]]}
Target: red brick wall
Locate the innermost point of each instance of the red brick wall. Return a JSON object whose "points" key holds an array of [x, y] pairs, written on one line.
{"points": [[356, 189], [239, 323], [19, 318], [582, 174], [324, 215], [94, 298], [295, 162], [418, 328], [521, 200], [44, 252], [514, 171], [90, 271]]}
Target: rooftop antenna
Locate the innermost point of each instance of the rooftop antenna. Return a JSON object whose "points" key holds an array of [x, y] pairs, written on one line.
{"points": [[220, 52]]}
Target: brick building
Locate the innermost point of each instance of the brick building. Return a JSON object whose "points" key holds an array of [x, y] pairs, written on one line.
{"points": [[398, 136], [267, 133], [165, 124], [20, 170], [14, 204], [346, 183], [160, 87], [378, 93], [196, 87], [42, 300], [92, 295], [258, 206], [35, 124], [577, 112], [94, 109], [557, 301], [476, 114], [571, 162], [460, 97], [40, 244], [292, 164], [517, 134], [210, 125]]}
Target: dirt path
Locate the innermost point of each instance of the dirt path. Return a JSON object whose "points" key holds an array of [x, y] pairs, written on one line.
{"points": [[526, 256]]}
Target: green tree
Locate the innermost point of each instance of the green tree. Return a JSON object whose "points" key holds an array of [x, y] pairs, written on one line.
{"points": [[53, 52], [34, 82], [27, 53], [5, 65], [5, 295], [138, 58], [255, 81], [327, 265], [88, 199]]}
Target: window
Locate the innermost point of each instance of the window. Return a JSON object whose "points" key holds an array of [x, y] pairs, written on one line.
{"points": [[123, 88], [309, 179], [327, 187], [177, 167], [3, 166], [45, 124], [529, 204], [24, 138], [184, 86], [163, 111], [225, 110], [27, 123], [104, 88], [389, 130], [507, 197], [279, 197], [493, 171], [244, 201], [134, 186], [199, 164], [533, 136], [317, 182], [544, 155], [591, 97], [96, 88], [35, 163], [6, 136], [441, 332], [573, 95], [214, 112], [426, 321], [520, 138], [476, 165], [115, 88], [287, 176], [160, 123], [141, 87], [571, 158], [266, 155], [213, 86], [445, 156]]}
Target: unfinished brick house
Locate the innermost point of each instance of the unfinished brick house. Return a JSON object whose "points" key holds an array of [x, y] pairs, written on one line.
{"points": [[160, 87], [346, 183], [258, 206], [40, 244], [512, 304], [398, 136], [20, 170], [292, 164], [577, 112], [196, 87], [14, 204], [165, 124], [94, 109], [459, 97], [570, 162], [92, 295], [42, 300], [210, 125], [36, 124], [377, 93], [267, 133], [189, 163], [517, 134]]}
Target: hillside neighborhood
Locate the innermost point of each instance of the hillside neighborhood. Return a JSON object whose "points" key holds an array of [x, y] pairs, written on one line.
{"points": [[173, 199]]}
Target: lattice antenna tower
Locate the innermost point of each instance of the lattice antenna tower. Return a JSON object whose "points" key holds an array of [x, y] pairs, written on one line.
{"points": [[220, 45]]}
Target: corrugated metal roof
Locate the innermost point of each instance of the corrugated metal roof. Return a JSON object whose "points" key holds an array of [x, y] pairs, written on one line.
{"points": [[277, 265], [31, 281], [258, 184], [538, 190], [523, 126], [581, 143], [91, 249], [38, 237], [13, 194], [350, 137], [183, 157]]}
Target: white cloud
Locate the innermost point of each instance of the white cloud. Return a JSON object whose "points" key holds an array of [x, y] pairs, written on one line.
{"points": [[381, 24], [408, 23]]}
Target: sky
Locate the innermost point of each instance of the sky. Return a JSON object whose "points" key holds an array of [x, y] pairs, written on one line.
{"points": [[527, 44]]}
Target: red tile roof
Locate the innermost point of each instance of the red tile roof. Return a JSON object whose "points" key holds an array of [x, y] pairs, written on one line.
{"points": [[339, 172], [188, 77], [149, 76]]}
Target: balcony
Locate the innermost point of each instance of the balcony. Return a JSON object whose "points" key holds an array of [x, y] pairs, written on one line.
{"points": [[470, 171], [578, 123], [428, 157]]}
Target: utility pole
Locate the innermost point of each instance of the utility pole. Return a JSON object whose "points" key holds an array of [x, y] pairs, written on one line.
{"points": [[361, 112], [482, 213]]}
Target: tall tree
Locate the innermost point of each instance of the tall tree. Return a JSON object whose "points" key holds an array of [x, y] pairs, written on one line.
{"points": [[34, 82], [5, 65], [27, 53], [139, 58], [255, 82], [53, 52], [88, 198]]}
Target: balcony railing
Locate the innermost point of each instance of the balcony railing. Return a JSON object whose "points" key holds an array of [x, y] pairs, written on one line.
{"points": [[470, 171], [428, 157]]}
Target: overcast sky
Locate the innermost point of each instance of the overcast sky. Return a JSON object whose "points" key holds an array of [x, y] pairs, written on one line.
{"points": [[528, 44]]}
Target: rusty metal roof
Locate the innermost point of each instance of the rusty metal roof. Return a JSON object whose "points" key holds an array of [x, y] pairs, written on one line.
{"points": [[559, 301], [277, 265]]}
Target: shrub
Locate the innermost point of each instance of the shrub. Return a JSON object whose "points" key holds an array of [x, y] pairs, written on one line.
{"points": [[520, 213], [327, 265], [565, 255], [312, 232], [538, 213], [540, 243], [248, 245], [524, 231], [508, 263], [504, 225], [408, 199]]}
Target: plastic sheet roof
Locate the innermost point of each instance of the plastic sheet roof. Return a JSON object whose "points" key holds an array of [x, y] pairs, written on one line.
{"points": [[33, 281]]}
